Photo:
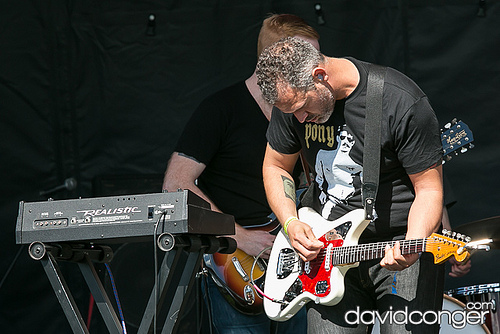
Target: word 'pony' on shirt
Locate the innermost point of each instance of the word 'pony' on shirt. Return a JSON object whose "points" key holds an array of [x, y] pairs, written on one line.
{"points": [[319, 133]]}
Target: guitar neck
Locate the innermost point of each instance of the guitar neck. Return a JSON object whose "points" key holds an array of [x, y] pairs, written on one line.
{"points": [[365, 252]]}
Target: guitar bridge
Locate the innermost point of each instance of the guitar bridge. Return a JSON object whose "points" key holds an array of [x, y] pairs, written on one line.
{"points": [[286, 262]]}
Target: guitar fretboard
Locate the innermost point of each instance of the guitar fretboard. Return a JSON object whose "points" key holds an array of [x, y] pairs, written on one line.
{"points": [[364, 252]]}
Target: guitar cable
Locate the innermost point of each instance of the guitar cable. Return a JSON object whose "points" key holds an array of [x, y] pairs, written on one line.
{"points": [[282, 302], [118, 304], [223, 287], [206, 300], [162, 219], [155, 256]]}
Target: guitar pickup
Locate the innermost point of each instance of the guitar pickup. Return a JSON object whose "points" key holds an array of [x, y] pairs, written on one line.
{"points": [[239, 269], [321, 287], [328, 257]]}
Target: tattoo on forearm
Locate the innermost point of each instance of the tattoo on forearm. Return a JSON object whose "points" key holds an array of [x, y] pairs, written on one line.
{"points": [[289, 188]]}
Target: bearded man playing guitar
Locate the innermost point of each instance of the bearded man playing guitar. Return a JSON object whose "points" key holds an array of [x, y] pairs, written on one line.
{"points": [[219, 157], [320, 98]]}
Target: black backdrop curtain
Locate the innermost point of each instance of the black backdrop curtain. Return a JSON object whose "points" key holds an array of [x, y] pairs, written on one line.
{"points": [[99, 91]]}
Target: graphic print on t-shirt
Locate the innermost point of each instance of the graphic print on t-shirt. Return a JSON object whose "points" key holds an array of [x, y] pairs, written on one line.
{"points": [[337, 174], [320, 133]]}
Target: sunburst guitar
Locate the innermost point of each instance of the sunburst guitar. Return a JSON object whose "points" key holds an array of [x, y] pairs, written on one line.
{"points": [[290, 282], [233, 272]]}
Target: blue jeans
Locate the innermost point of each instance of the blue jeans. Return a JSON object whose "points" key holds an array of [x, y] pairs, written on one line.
{"points": [[371, 288], [227, 320]]}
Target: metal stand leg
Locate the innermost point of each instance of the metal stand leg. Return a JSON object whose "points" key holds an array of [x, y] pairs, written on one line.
{"points": [[101, 298], [67, 301], [184, 288], [63, 294], [175, 279]]}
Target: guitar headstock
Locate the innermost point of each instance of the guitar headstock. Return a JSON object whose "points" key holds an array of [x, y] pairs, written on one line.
{"points": [[456, 138], [447, 245]]}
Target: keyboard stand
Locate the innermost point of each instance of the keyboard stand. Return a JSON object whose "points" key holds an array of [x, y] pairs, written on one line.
{"points": [[175, 279]]}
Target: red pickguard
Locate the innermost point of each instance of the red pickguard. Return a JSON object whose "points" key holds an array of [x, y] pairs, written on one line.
{"points": [[318, 272]]}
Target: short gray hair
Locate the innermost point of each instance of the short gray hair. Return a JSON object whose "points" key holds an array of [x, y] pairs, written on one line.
{"points": [[288, 62]]}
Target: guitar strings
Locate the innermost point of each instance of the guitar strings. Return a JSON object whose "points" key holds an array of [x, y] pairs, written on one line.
{"points": [[377, 250], [354, 251]]}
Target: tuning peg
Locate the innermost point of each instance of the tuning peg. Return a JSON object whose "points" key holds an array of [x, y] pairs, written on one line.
{"points": [[479, 245], [445, 231], [468, 239], [463, 149], [471, 145]]}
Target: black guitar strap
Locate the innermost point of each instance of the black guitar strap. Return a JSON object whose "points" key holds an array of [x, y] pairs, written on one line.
{"points": [[373, 127]]}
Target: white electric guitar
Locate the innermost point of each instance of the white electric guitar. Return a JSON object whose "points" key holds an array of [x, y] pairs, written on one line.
{"points": [[290, 282]]}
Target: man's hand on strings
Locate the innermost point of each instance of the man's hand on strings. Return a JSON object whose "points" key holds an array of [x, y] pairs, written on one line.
{"points": [[395, 261], [303, 240]]}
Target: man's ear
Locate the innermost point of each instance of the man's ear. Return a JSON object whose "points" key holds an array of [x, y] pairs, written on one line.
{"points": [[320, 73]]}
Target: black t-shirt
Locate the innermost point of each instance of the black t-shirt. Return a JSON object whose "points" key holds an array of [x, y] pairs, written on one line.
{"points": [[227, 133], [410, 143]]}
